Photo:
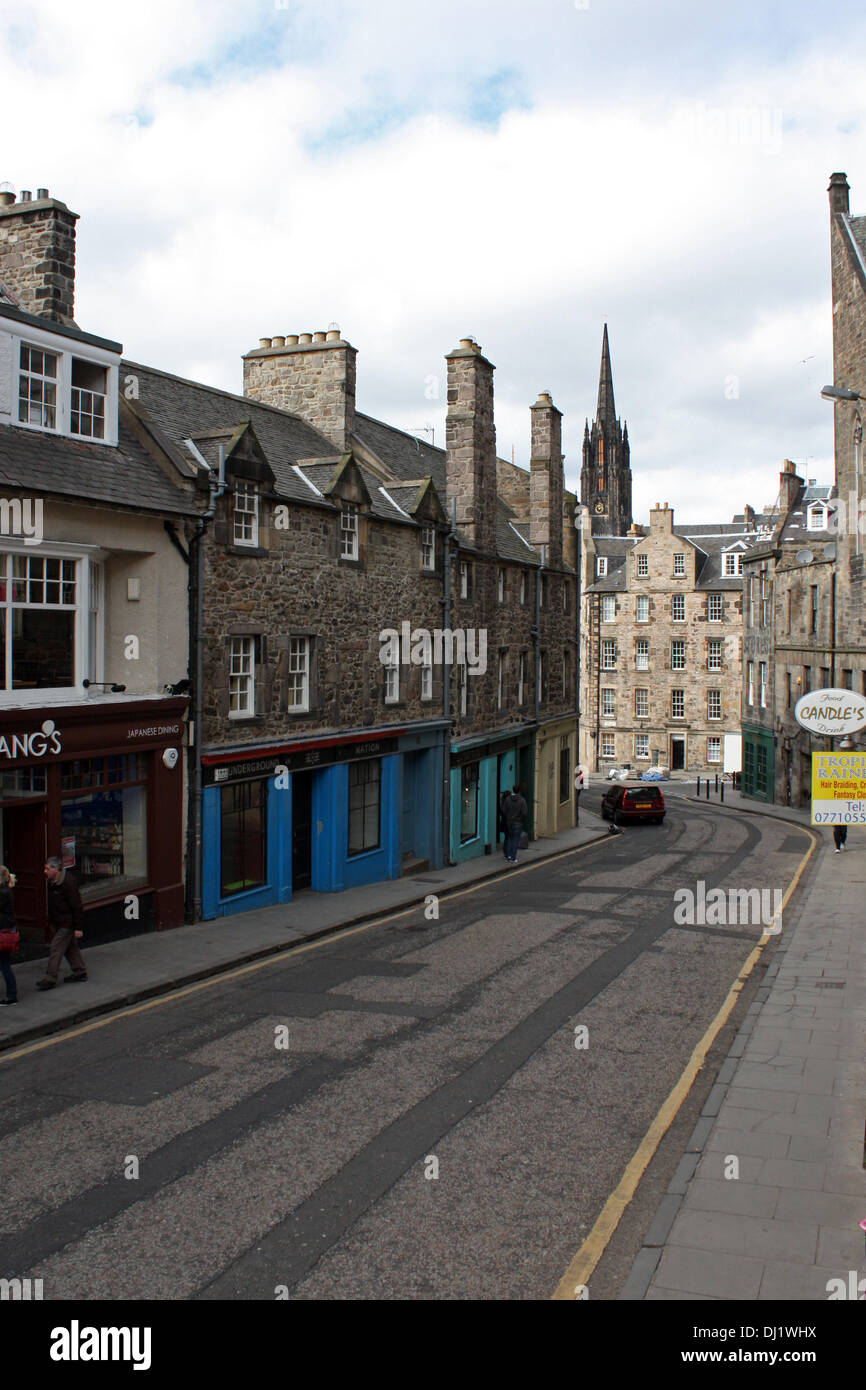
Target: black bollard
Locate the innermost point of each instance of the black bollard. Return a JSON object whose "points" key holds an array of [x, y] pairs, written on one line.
{"points": [[722, 792], [708, 789], [717, 781], [699, 786]]}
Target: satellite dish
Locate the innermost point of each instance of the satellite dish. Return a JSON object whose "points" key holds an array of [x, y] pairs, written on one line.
{"points": [[804, 557]]}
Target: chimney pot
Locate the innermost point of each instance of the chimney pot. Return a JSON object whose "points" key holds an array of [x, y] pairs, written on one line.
{"points": [[291, 340], [319, 337], [469, 344], [6, 198], [305, 338], [25, 196], [838, 190], [333, 335], [264, 342], [42, 193], [278, 342]]}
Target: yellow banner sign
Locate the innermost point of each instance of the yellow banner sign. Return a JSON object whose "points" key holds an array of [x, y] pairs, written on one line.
{"points": [[839, 788]]}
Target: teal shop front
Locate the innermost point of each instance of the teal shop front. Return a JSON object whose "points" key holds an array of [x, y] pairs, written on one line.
{"points": [[482, 770]]}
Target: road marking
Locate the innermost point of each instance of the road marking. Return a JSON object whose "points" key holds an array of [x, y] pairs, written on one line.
{"points": [[276, 958], [592, 1249]]}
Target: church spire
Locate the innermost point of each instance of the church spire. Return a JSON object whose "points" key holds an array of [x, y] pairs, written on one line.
{"points": [[606, 409]]}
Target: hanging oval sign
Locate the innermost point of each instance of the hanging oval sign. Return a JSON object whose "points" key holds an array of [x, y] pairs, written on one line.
{"points": [[831, 712]]}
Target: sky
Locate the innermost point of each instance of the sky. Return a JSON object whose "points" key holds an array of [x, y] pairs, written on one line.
{"points": [[517, 172]]}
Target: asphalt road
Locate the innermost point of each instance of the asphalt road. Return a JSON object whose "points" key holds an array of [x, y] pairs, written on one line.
{"points": [[431, 1130]]}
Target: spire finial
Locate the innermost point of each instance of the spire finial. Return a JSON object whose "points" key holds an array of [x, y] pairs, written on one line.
{"points": [[606, 408]]}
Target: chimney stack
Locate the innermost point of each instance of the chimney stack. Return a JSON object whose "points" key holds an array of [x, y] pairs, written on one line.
{"points": [[470, 444], [546, 482], [662, 518], [789, 486], [37, 253], [309, 374], [838, 190]]}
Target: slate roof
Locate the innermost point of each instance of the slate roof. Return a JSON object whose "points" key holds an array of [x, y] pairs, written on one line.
{"points": [[125, 476], [795, 528], [404, 455], [709, 539]]}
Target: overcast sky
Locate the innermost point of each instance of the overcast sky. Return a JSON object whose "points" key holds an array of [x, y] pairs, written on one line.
{"points": [[518, 172]]}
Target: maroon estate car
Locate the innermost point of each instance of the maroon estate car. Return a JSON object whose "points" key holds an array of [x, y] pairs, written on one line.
{"points": [[633, 803]]}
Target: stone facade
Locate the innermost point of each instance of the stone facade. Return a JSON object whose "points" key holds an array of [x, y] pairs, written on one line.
{"points": [[312, 375], [662, 640], [470, 444], [37, 250], [546, 480]]}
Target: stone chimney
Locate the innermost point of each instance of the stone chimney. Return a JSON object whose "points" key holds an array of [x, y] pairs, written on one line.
{"points": [[470, 444], [37, 253], [310, 374], [838, 190], [661, 519], [789, 486], [546, 482]]}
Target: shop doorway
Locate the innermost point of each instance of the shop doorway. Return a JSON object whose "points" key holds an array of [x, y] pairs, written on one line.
{"points": [[678, 752], [302, 830], [23, 853]]}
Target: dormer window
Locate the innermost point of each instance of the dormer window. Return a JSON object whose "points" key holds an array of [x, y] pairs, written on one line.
{"points": [[815, 518], [732, 562], [246, 515], [55, 387], [349, 531], [600, 566]]}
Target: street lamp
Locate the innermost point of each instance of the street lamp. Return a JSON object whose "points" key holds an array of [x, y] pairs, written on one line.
{"points": [[840, 393]]}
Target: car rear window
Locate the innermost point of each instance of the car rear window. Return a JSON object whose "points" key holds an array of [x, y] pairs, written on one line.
{"points": [[645, 794]]}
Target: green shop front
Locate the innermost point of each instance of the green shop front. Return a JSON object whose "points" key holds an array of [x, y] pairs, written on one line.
{"points": [[482, 769], [758, 764]]}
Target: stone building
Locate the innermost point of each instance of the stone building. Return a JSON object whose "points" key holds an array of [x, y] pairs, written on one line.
{"points": [[93, 599], [789, 646], [661, 642]]}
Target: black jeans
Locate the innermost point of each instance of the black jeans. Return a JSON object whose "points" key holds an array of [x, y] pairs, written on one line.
{"points": [[8, 975]]}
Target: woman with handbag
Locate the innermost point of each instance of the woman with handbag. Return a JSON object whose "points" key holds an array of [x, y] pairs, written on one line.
{"points": [[9, 938]]}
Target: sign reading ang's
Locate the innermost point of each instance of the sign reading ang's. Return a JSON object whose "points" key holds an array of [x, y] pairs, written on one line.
{"points": [[831, 712], [34, 745]]}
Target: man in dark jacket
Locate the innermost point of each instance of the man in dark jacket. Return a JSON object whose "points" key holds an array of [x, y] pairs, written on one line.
{"points": [[65, 917], [514, 813]]}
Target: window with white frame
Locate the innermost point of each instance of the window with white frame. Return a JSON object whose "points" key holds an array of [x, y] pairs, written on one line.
{"points": [[88, 399], [732, 562], [65, 392], [714, 750], [462, 688], [299, 673], [608, 703], [678, 656], [714, 704], [428, 547], [608, 609], [608, 654], [766, 601], [349, 531], [641, 702], [242, 672], [714, 654], [37, 387], [642, 566], [815, 519], [678, 704], [750, 682], [500, 584], [679, 564], [246, 514], [392, 678], [608, 745], [600, 566], [641, 745], [41, 606], [641, 612], [678, 608], [465, 579], [427, 682], [715, 608], [762, 683], [641, 654]]}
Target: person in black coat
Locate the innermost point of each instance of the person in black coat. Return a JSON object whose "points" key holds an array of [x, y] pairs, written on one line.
{"points": [[7, 923], [66, 918]]}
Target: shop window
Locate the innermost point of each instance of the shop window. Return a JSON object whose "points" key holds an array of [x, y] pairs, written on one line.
{"points": [[469, 803], [104, 831], [243, 836], [365, 780]]}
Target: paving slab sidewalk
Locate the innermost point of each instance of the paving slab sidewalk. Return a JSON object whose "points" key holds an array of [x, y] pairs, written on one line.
{"points": [[127, 972], [766, 1201]]}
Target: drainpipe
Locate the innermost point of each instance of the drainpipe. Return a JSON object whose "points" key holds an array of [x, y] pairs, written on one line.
{"points": [[194, 831], [536, 637], [446, 690]]}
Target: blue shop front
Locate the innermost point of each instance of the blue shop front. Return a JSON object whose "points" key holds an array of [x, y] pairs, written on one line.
{"points": [[326, 814], [482, 770]]}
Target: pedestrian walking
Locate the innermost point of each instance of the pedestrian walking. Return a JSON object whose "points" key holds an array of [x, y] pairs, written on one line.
{"points": [[65, 918], [9, 938], [514, 814], [840, 835]]}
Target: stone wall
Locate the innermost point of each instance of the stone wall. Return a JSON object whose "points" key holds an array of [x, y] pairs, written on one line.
{"points": [[311, 375], [470, 444], [37, 256]]}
